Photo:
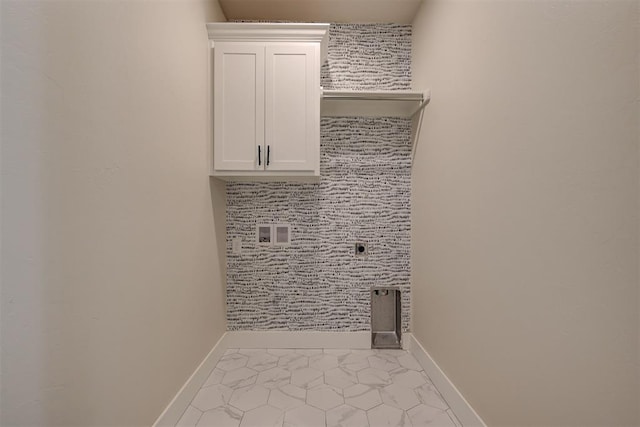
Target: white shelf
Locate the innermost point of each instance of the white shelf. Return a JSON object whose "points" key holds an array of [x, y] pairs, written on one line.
{"points": [[349, 103]]}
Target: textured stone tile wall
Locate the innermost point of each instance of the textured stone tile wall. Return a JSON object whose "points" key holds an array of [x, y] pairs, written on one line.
{"points": [[368, 56], [364, 194]]}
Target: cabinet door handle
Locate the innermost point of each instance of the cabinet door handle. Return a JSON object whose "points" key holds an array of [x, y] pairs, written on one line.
{"points": [[259, 157], [268, 153]]}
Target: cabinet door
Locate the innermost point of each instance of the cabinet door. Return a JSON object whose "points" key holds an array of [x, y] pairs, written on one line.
{"points": [[292, 125], [238, 115]]}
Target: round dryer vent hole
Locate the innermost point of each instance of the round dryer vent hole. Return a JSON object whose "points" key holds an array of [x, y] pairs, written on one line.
{"points": [[361, 249]]}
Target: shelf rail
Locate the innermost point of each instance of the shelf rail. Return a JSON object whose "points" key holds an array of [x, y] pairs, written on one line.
{"points": [[396, 97]]}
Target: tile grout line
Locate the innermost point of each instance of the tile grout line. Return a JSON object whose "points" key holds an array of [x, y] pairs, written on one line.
{"points": [[201, 414]]}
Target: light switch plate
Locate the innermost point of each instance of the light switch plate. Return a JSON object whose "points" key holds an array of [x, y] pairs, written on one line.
{"points": [[236, 246]]}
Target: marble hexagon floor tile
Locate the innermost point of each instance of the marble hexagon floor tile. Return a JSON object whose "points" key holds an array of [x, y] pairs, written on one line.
{"points": [[287, 397], [263, 416], [316, 387], [388, 416], [239, 377], [262, 361], [305, 415], [232, 361], [401, 397], [307, 378], [362, 396], [325, 397], [227, 416], [340, 377], [274, 378], [346, 416], [212, 397], [423, 415], [250, 397]]}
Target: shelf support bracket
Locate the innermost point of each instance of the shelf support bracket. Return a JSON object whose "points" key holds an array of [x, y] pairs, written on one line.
{"points": [[416, 124], [426, 97]]}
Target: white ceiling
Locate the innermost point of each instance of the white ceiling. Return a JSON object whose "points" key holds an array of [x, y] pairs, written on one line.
{"points": [[352, 11]]}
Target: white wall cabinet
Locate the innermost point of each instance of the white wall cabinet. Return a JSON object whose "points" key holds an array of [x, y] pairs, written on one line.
{"points": [[266, 100]]}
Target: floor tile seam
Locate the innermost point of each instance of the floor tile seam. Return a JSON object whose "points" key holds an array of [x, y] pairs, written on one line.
{"points": [[437, 393], [191, 406], [373, 407], [408, 409], [453, 417], [242, 412], [435, 407], [199, 410], [213, 385], [200, 417]]}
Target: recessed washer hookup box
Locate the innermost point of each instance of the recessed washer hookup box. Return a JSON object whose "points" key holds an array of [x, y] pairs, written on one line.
{"points": [[386, 317]]}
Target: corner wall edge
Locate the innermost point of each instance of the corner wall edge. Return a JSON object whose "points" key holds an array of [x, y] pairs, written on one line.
{"points": [[456, 401], [174, 410]]}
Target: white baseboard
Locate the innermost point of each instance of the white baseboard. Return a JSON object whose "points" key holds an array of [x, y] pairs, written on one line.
{"points": [[302, 339], [458, 404], [173, 412]]}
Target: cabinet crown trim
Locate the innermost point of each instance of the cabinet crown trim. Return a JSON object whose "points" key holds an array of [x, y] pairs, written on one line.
{"points": [[267, 32]]}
